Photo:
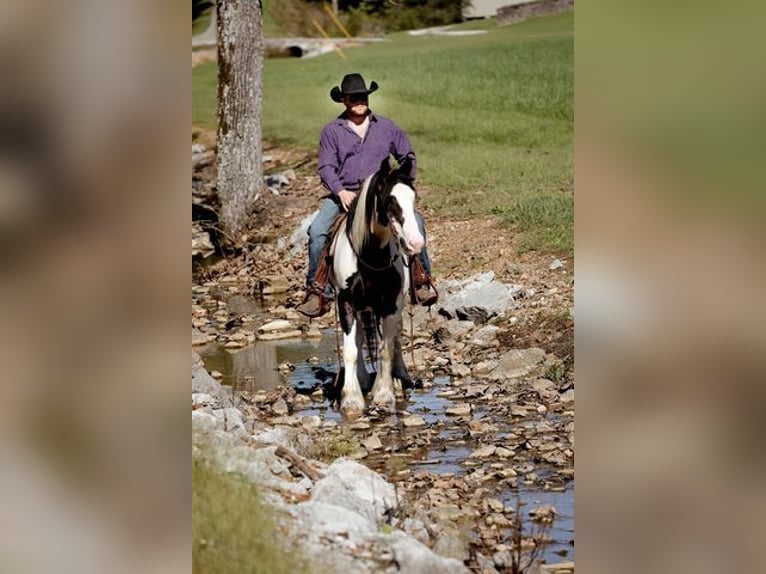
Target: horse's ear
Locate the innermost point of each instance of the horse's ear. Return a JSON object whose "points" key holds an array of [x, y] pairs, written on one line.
{"points": [[405, 167], [385, 166]]}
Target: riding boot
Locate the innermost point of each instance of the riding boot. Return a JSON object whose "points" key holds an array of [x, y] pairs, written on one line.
{"points": [[315, 304], [423, 290]]}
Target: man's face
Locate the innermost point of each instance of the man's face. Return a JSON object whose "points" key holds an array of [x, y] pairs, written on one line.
{"points": [[356, 104]]}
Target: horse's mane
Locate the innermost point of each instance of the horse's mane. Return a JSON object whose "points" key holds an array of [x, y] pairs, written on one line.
{"points": [[363, 210], [359, 224]]}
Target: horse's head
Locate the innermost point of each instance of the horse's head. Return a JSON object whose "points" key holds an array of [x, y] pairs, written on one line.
{"points": [[397, 200], [388, 200]]}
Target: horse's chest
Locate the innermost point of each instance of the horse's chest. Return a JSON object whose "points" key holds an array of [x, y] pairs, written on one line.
{"points": [[377, 291]]}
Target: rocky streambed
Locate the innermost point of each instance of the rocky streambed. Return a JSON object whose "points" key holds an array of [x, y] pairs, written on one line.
{"points": [[484, 447]]}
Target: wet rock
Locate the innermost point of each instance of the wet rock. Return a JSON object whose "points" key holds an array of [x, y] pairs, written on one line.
{"points": [[502, 452], [277, 325], [545, 513], [412, 421], [278, 335], [483, 452], [372, 442], [560, 568], [460, 370], [461, 410], [311, 421], [199, 338]]}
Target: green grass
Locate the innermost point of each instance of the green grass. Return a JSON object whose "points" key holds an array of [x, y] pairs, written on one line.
{"points": [[329, 447], [202, 22], [232, 530], [490, 116]]}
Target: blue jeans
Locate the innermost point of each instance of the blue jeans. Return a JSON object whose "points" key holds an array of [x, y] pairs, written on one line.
{"points": [[319, 235]]}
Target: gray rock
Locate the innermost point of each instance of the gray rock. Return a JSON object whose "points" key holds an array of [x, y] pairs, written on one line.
{"points": [[330, 520], [203, 382], [412, 556], [198, 337], [202, 400], [486, 336], [556, 264], [231, 417], [299, 238], [204, 421], [477, 296], [280, 408], [518, 363], [414, 421], [354, 486], [280, 436]]}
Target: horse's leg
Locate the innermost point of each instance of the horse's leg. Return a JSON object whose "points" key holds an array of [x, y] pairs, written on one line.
{"points": [[399, 369], [383, 390], [351, 401]]}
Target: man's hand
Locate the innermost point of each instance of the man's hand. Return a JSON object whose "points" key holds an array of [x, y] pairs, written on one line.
{"points": [[346, 197]]}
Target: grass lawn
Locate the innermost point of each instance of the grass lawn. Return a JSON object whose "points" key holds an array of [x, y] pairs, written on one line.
{"points": [[490, 116]]}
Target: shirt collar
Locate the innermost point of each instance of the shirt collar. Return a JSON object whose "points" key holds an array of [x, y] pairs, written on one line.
{"points": [[341, 119]]}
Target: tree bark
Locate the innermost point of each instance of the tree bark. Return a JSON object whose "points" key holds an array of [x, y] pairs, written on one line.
{"points": [[240, 99]]}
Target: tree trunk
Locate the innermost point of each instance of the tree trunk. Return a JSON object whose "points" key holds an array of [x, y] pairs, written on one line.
{"points": [[240, 97]]}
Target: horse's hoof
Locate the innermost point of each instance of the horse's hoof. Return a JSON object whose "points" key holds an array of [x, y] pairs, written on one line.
{"points": [[352, 409], [384, 401]]}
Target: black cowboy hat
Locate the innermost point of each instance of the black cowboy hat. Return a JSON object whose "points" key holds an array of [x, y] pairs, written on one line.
{"points": [[352, 84]]}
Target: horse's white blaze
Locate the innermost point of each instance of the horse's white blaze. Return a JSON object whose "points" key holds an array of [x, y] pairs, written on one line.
{"points": [[352, 393], [409, 231]]}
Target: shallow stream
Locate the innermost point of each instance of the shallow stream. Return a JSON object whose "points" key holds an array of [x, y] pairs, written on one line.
{"points": [[306, 364]]}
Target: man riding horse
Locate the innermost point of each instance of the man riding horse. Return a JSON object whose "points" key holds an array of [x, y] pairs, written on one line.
{"points": [[351, 148]]}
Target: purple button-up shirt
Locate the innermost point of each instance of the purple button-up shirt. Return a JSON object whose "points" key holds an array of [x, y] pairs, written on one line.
{"points": [[345, 160]]}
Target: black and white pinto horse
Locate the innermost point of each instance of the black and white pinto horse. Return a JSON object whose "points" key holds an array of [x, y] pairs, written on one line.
{"points": [[370, 275]]}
